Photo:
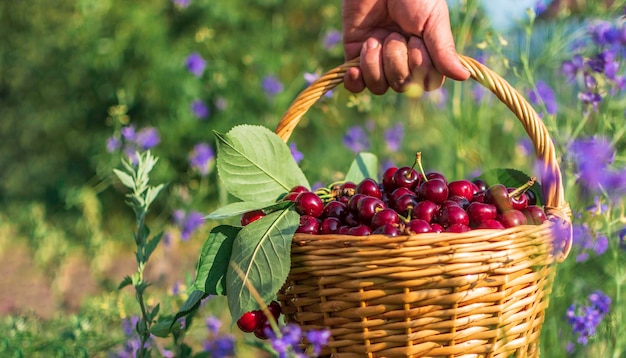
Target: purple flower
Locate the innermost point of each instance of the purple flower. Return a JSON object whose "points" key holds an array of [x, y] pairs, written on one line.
{"points": [[195, 64], [297, 155], [200, 109], [356, 139], [331, 39], [213, 324], [202, 158], [182, 3], [221, 103], [571, 68], [147, 138], [525, 147], [128, 133], [393, 137], [113, 144], [601, 245], [540, 7], [318, 339], [544, 94], [603, 33], [271, 86], [129, 325], [590, 99], [221, 347], [592, 157], [290, 337], [585, 319], [187, 223]]}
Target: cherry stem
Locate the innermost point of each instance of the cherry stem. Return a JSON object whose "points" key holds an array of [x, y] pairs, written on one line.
{"points": [[522, 189], [418, 161]]}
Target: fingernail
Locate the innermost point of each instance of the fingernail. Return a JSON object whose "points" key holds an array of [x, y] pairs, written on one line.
{"points": [[371, 44]]}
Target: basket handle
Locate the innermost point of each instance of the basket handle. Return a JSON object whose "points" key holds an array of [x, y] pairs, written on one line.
{"points": [[544, 148]]}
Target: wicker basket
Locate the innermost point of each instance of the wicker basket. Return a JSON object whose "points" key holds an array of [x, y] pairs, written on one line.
{"points": [[481, 293]]}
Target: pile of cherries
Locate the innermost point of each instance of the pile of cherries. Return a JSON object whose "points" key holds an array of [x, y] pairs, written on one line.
{"points": [[407, 202]]}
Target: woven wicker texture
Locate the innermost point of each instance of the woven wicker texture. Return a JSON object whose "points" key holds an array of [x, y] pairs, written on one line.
{"points": [[481, 293]]}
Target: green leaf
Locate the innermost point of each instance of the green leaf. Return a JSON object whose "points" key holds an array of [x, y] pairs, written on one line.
{"points": [[125, 282], [261, 259], [151, 245], [512, 178], [214, 258], [241, 207], [125, 179], [256, 165], [365, 165]]}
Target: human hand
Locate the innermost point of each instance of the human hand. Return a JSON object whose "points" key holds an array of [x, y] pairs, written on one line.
{"points": [[399, 41]]}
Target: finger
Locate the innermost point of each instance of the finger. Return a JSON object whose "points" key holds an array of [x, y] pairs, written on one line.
{"points": [[372, 66], [423, 71], [353, 80], [438, 39], [395, 61]]}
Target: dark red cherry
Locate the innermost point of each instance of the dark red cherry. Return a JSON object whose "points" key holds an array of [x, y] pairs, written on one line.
{"points": [[437, 175], [385, 217], [308, 203], [479, 213], [513, 218], [480, 184], [405, 204], [406, 177], [458, 228], [360, 230], [263, 331], [453, 215], [387, 229], [534, 214], [437, 228], [425, 210], [335, 209], [387, 182], [435, 190], [418, 226], [308, 225], [498, 195], [367, 207], [369, 187], [518, 202], [353, 203], [491, 224], [463, 188], [330, 225], [275, 309]]}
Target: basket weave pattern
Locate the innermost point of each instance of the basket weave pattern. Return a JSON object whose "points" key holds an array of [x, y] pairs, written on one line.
{"points": [[481, 293]]}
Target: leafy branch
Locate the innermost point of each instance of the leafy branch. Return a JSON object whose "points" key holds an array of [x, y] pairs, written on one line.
{"points": [[142, 195]]}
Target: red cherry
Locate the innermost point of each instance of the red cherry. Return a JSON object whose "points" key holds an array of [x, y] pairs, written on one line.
{"points": [[435, 190], [308, 225], [250, 321], [418, 226], [387, 229], [513, 218], [463, 188], [534, 214], [263, 331], [275, 309], [388, 184], [425, 210], [308, 203], [491, 224], [250, 216], [369, 186]]}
